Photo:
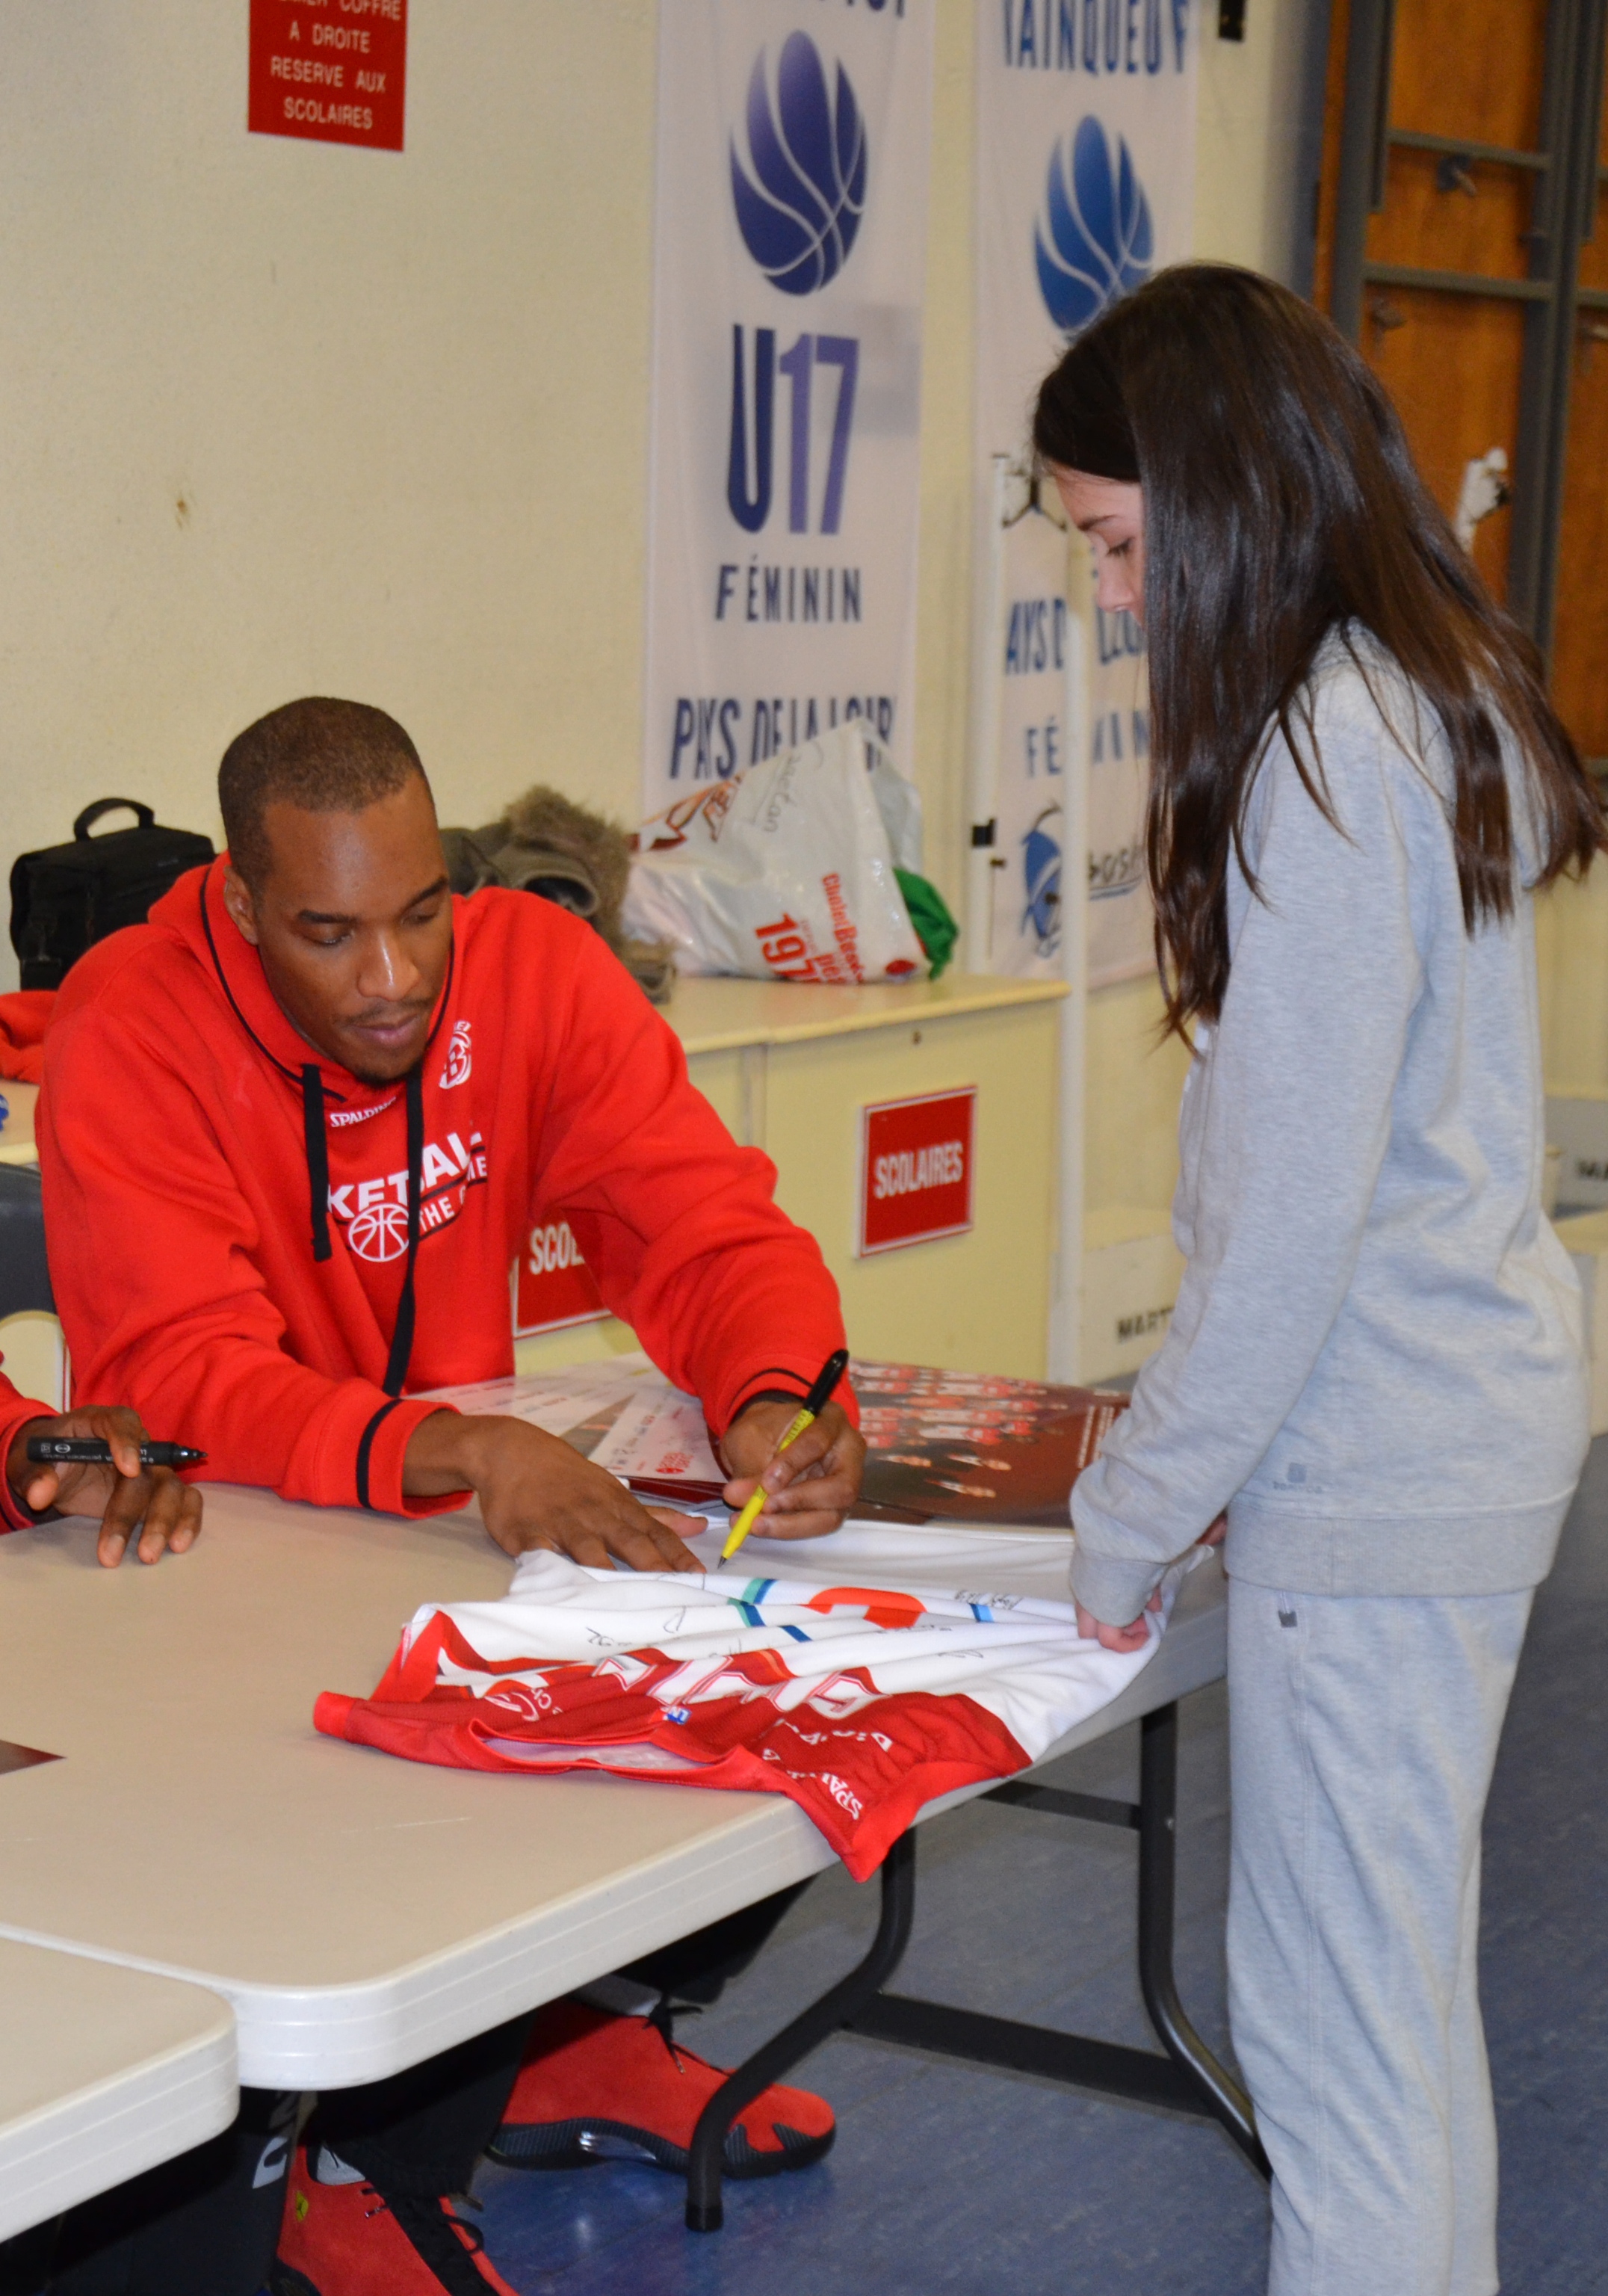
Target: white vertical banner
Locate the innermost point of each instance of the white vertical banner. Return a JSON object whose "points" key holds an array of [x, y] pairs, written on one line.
{"points": [[1028, 735], [1085, 187], [791, 236]]}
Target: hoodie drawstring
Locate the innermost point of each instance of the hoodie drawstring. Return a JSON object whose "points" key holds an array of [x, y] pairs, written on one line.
{"points": [[318, 1184], [318, 1158], [402, 1338]]}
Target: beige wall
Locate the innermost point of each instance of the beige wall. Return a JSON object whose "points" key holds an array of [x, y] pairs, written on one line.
{"points": [[283, 417], [1572, 949]]}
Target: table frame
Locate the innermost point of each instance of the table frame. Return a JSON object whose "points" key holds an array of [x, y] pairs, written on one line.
{"points": [[1188, 2079]]}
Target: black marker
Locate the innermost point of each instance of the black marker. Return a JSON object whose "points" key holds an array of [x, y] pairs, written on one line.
{"points": [[94, 1451]]}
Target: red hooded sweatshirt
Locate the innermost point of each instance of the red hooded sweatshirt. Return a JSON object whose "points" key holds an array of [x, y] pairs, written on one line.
{"points": [[228, 1214]]}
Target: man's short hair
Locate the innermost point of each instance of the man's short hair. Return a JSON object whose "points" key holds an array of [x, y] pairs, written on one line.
{"points": [[324, 755]]}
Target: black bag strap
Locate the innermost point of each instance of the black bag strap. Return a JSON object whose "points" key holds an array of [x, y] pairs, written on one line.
{"points": [[86, 820]]}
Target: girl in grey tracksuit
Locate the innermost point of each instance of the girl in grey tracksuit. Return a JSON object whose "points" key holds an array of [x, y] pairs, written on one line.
{"points": [[1375, 1364]]}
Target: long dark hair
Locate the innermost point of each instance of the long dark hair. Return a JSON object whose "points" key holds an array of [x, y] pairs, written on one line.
{"points": [[1281, 501]]}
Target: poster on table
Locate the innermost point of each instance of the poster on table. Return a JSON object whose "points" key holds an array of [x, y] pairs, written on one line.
{"points": [[789, 251], [1085, 187]]}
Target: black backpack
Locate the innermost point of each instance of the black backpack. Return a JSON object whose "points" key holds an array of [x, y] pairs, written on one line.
{"points": [[66, 898]]}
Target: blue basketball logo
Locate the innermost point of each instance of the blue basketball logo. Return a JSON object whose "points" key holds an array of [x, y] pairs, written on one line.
{"points": [[1041, 881], [1094, 240], [800, 198]]}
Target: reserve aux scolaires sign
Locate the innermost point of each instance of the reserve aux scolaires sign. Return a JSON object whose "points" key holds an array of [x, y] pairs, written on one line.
{"points": [[333, 70]]}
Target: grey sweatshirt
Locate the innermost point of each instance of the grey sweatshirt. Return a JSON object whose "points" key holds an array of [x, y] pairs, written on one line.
{"points": [[1376, 1359]]}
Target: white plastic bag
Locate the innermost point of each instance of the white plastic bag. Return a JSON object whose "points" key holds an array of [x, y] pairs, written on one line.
{"points": [[786, 872]]}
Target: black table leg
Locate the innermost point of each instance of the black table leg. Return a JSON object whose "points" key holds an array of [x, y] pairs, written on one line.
{"points": [[707, 2154], [1188, 2079], [1220, 2093]]}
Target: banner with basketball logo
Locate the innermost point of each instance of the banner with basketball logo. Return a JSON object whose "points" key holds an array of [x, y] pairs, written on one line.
{"points": [[1030, 702], [790, 231], [1085, 185]]}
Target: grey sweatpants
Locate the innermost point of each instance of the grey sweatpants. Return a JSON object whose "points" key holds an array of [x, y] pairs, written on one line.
{"points": [[1363, 1731]]}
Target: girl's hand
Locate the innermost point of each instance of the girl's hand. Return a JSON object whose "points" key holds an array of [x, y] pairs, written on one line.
{"points": [[1125, 1639]]}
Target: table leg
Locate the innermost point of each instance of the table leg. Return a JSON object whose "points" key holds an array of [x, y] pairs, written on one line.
{"points": [[706, 2156], [1220, 2093], [1188, 2079]]}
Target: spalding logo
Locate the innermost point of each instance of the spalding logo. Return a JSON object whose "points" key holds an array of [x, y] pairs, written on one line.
{"points": [[460, 1057], [1094, 242], [801, 197]]}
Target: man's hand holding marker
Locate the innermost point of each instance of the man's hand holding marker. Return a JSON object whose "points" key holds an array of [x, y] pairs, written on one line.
{"points": [[811, 1478], [111, 1470]]}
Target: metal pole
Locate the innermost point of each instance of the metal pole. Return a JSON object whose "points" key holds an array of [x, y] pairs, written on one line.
{"points": [[1574, 211], [1548, 327], [984, 781], [1066, 1303], [1364, 151]]}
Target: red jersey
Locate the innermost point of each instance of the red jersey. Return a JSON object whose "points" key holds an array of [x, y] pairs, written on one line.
{"points": [[227, 1211]]}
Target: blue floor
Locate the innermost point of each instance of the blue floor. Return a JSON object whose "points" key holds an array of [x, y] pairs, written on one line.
{"points": [[945, 2177]]}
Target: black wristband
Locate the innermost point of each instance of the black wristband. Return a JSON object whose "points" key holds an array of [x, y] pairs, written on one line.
{"points": [[795, 1395]]}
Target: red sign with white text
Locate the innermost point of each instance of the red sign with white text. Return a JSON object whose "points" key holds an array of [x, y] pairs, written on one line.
{"points": [[332, 70], [553, 1286], [915, 1170]]}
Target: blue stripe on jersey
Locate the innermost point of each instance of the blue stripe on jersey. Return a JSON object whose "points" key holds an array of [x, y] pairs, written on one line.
{"points": [[981, 1611], [757, 1590], [797, 1633], [751, 1616]]}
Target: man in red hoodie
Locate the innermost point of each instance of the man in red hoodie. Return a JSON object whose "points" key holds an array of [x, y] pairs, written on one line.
{"points": [[356, 1096]]}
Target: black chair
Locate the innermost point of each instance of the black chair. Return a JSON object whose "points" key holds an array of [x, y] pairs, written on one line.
{"points": [[24, 1270]]}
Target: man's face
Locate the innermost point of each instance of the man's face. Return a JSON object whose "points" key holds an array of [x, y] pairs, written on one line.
{"points": [[353, 924]]}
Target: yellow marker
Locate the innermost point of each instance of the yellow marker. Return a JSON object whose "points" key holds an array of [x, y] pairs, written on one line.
{"points": [[814, 1403]]}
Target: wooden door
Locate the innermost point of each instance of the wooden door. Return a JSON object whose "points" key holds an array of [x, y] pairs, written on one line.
{"points": [[1459, 276], [1464, 74], [1581, 640]]}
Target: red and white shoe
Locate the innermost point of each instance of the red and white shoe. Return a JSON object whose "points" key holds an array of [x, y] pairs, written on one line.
{"points": [[344, 2240], [595, 2087]]}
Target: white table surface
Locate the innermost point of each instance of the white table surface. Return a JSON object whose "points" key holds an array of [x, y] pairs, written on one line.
{"points": [[357, 1912], [104, 2072]]}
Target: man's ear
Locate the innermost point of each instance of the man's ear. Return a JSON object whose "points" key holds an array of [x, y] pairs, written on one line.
{"points": [[241, 906]]}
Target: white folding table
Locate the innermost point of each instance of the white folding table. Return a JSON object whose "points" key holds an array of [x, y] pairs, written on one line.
{"points": [[103, 2072], [357, 1913]]}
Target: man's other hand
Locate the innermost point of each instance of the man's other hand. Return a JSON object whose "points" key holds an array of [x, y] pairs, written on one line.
{"points": [[536, 1490], [811, 1485], [152, 1501]]}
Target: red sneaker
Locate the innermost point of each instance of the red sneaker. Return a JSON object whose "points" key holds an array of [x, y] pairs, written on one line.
{"points": [[344, 2240], [596, 2088]]}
